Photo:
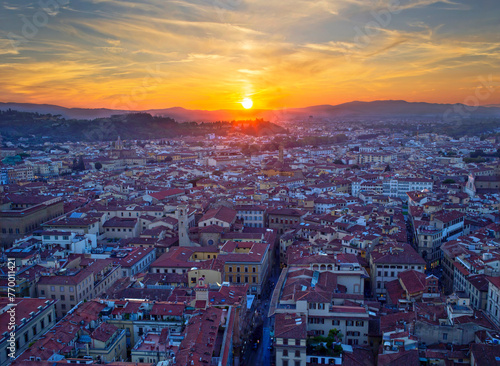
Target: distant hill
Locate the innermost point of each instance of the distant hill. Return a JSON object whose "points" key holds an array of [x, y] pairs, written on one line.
{"points": [[388, 108], [356, 109], [132, 126]]}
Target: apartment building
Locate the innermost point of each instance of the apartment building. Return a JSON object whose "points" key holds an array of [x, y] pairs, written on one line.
{"points": [[69, 287], [430, 235], [121, 228], [134, 260], [291, 336], [33, 317], [398, 187], [251, 215], [493, 306], [282, 219], [21, 215], [387, 261], [81, 282], [245, 263], [324, 302]]}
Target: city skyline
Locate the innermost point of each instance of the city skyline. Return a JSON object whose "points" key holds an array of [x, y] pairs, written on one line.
{"points": [[212, 55]]}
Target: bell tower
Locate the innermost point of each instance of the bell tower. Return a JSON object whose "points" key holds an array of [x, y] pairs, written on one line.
{"points": [[182, 217]]}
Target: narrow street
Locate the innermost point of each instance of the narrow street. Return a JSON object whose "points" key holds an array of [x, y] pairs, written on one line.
{"points": [[262, 354]]}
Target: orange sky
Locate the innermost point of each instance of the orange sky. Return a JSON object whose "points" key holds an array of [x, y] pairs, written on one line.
{"points": [[204, 54]]}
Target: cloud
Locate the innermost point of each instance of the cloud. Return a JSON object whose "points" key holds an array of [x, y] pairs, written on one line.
{"points": [[211, 53]]}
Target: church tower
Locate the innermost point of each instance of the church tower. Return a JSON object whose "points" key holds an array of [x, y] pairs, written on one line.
{"points": [[119, 144], [182, 217]]}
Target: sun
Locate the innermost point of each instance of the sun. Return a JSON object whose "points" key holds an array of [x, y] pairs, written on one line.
{"points": [[247, 103]]}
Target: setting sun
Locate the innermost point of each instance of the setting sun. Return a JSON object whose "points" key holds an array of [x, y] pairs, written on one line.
{"points": [[247, 103]]}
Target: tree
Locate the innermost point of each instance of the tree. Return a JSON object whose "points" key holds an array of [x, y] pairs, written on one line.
{"points": [[78, 165], [329, 345], [387, 168], [81, 164], [449, 181], [338, 161], [98, 166]]}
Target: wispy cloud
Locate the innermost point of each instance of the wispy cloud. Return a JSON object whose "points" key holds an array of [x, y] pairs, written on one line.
{"points": [[212, 53]]}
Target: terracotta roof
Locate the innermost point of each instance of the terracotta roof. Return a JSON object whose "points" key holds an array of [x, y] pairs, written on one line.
{"points": [[290, 326], [221, 213]]}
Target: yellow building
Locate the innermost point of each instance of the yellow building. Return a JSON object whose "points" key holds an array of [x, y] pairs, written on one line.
{"points": [[211, 276]]}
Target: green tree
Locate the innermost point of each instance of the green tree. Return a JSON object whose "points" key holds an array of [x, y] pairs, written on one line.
{"points": [[98, 166], [81, 165], [329, 345]]}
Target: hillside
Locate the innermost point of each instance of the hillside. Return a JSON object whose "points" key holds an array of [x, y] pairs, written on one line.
{"points": [[356, 109], [134, 126]]}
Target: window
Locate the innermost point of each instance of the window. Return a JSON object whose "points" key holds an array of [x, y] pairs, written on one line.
{"points": [[285, 341], [297, 342], [63, 297], [445, 336], [42, 292], [285, 353], [285, 362], [297, 353], [61, 288], [52, 288]]}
